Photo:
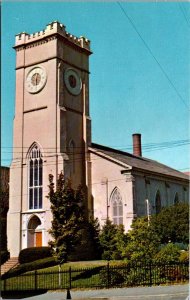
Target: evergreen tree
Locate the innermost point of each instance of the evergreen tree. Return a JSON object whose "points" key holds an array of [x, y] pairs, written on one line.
{"points": [[89, 246], [107, 241], [112, 240], [121, 242], [142, 243], [68, 216], [93, 229]]}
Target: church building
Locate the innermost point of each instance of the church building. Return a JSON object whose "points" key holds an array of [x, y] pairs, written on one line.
{"points": [[52, 134]]}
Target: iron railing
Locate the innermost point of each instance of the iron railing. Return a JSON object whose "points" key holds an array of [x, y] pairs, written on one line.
{"points": [[127, 275]]}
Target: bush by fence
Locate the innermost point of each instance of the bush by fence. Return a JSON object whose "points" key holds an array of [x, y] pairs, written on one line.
{"points": [[138, 274], [34, 253]]}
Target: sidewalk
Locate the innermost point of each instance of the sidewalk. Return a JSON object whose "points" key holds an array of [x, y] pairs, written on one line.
{"points": [[175, 292]]}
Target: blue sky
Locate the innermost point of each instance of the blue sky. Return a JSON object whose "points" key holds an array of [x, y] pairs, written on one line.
{"points": [[140, 71]]}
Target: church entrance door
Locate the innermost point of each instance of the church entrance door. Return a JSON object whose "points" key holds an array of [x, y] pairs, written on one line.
{"points": [[34, 232], [39, 239]]}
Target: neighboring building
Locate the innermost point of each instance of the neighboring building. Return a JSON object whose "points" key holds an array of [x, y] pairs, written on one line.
{"points": [[52, 130], [4, 206]]}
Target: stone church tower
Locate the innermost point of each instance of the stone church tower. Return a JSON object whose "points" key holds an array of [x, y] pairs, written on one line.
{"points": [[52, 128]]}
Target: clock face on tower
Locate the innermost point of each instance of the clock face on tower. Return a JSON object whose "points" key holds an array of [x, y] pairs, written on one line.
{"points": [[36, 80], [72, 81]]}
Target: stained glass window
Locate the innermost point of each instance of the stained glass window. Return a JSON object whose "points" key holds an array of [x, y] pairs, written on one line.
{"points": [[117, 207], [35, 178]]}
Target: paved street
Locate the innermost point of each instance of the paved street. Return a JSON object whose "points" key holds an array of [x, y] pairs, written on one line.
{"points": [[177, 292]]}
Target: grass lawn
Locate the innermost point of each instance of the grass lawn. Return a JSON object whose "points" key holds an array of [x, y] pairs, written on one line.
{"points": [[81, 265]]}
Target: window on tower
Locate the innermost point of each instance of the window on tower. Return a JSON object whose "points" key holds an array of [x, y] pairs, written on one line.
{"points": [[72, 156], [35, 178]]}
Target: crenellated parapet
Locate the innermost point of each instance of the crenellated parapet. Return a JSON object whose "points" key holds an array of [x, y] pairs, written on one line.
{"points": [[53, 28]]}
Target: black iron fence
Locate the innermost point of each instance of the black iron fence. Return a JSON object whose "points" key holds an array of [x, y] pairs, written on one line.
{"points": [[129, 275]]}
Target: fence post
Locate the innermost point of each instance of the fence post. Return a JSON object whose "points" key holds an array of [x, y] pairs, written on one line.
{"points": [[35, 280], [70, 278], [69, 288], [5, 284], [59, 275], [108, 275], [150, 273]]}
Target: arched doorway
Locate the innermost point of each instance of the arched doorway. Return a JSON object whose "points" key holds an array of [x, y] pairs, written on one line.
{"points": [[34, 232]]}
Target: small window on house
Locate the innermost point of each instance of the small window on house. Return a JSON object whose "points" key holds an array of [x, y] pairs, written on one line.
{"points": [[117, 207], [35, 178], [158, 202]]}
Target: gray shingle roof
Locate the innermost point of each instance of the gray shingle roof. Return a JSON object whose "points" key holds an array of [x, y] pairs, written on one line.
{"points": [[137, 162]]}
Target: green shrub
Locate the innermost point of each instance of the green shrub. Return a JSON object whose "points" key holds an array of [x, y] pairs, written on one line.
{"points": [[137, 277], [38, 264], [184, 256], [34, 253], [5, 255], [107, 255], [112, 278], [170, 253]]}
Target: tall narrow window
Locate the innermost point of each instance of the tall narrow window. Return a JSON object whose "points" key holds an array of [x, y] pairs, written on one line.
{"points": [[72, 156], [117, 207], [158, 202], [176, 199], [35, 178]]}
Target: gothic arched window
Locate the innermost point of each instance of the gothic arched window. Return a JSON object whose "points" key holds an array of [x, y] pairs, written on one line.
{"points": [[117, 207], [158, 202], [35, 178], [176, 199]]}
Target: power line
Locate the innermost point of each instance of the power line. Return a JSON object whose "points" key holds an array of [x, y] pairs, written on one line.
{"points": [[183, 12], [155, 147], [17, 163], [152, 54], [127, 147], [80, 158]]}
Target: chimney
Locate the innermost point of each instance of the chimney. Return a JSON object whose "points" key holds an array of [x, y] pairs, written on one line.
{"points": [[137, 144]]}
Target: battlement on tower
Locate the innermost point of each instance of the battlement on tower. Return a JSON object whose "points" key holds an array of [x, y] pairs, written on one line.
{"points": [[55, 27]]}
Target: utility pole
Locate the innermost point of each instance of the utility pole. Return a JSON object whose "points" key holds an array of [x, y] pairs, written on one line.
{"points": [[148, 210]]}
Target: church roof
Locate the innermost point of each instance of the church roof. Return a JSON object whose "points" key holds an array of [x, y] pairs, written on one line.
{"points": [[136, 162]]}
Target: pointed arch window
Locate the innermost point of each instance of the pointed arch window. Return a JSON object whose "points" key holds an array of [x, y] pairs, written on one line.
{"points": [[117, 207], [35, 178], [158, 202], [176, 199]]}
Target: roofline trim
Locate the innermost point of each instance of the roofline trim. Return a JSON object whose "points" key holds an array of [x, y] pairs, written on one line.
{"points": [[110, 158], [158, 174], [117, 151]]}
